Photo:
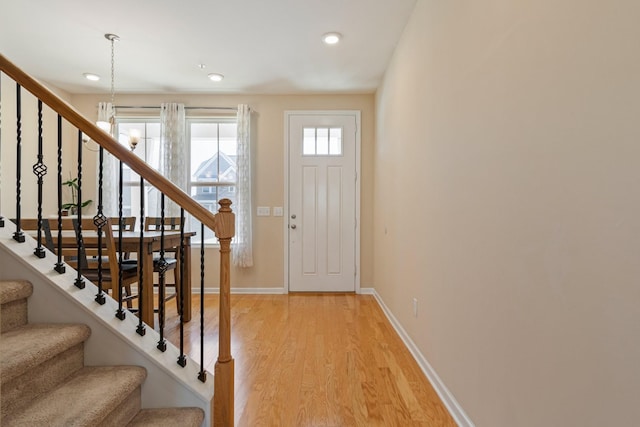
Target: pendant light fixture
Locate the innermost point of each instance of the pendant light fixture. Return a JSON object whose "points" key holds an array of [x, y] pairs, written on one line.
{"points": [[110, 125], [107, 126]]}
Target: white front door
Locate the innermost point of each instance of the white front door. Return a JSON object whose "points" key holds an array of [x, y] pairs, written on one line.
{"points": [[322, 193]]}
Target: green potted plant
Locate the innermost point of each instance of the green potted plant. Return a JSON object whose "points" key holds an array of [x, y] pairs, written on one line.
{"points": [[72, 207]]}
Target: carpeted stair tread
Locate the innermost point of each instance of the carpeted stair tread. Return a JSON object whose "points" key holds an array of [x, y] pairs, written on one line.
{"points": [[27, 346], [85, 399], [168, 417], [13, 290]]}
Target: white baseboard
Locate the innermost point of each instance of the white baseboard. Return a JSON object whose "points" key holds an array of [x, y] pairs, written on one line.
{"points": [[247, 291], [367, 291], [447, 398]]}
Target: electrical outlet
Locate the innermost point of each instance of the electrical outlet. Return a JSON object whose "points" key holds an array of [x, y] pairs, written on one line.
{"points": [[415, 307]]}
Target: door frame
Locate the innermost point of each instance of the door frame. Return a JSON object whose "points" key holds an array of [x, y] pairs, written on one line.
{"points": [[356, 114]]}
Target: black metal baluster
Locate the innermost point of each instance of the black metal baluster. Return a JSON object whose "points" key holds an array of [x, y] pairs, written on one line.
{"points": [[79, 279], [59, 267], [18, 236], [100, 221], [120, 314], [202, 375], [162, 269], [182, 359], [40, 170], [141, 329]]}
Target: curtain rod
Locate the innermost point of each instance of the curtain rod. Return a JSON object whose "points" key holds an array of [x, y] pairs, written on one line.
{"points": [[186, 108]]}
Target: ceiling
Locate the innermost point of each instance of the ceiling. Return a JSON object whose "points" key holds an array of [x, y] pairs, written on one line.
{"points": [[260, 46]]}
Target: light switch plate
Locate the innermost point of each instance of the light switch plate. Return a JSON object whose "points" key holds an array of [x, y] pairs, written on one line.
{"points": [[264, 211], [278, 211]]}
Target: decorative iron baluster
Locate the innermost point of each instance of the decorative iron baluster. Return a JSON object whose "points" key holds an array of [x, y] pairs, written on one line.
{"points": [[79, 282], [59, 267], [40, 170], [141, 329], [202, 375], [120, 314], [18, 236], [182, 359], [162, 269], [100, 220]]}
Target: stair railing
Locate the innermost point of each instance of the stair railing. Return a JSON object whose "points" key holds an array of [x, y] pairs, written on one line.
{"points": [[222, 224]]}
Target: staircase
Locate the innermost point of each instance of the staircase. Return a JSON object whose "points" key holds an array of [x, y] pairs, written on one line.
{"points": [[62, 296], [45, 382]]}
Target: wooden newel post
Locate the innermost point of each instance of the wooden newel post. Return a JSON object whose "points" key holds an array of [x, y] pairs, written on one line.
{"points": [[224, 368]]}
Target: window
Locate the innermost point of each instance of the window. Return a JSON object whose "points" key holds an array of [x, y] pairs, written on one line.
{"points": [[148, 149], [212, 170], [211, 144], [321, 141]]}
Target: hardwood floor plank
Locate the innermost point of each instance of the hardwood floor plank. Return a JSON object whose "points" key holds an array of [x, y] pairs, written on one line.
{"points": [[315, 360]]}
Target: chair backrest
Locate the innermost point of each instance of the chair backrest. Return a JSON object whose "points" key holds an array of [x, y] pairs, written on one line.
{"points": [[69, 248], [154, 223], [31, 224], [77, 251], [128, 223]]}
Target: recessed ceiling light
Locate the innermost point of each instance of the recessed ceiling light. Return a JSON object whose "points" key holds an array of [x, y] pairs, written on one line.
{"points": [[331, 38], [216, 77], [91, 76]]}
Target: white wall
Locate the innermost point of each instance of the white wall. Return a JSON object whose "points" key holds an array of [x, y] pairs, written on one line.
{"points": [[506, 201]]}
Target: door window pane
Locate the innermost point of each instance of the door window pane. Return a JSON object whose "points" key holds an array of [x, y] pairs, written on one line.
{"points": [[335, 142], [309, 142], [321, 141]]}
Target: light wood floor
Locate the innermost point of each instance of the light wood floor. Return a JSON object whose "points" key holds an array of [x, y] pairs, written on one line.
{"points": [[315, 360]]}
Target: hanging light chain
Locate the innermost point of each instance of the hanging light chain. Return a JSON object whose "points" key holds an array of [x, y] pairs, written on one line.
{"points": [[112, 120], [113, 86]]}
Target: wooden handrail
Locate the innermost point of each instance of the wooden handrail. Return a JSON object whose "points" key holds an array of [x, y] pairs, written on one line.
{"points": [[108, 142]]}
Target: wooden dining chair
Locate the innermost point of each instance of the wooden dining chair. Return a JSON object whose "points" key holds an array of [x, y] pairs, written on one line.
{"points": [[170, 254], [30, 225], [128, 223], [85, 256]]}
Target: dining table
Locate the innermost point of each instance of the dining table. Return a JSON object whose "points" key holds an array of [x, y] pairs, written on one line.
{"points": [[145, 247]]}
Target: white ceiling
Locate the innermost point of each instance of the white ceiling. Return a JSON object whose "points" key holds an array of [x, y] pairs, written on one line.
{"points": [[261, 46]]}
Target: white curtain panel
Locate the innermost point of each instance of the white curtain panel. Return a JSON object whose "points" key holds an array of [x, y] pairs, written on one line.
{"points": [[109, 168], [242, 250], [173, 156]]}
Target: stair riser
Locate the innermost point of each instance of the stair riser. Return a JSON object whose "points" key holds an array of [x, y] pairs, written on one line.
{"points": [[19, 392], [13, 314], [88, 397], [125, 412], [169, 417]]}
